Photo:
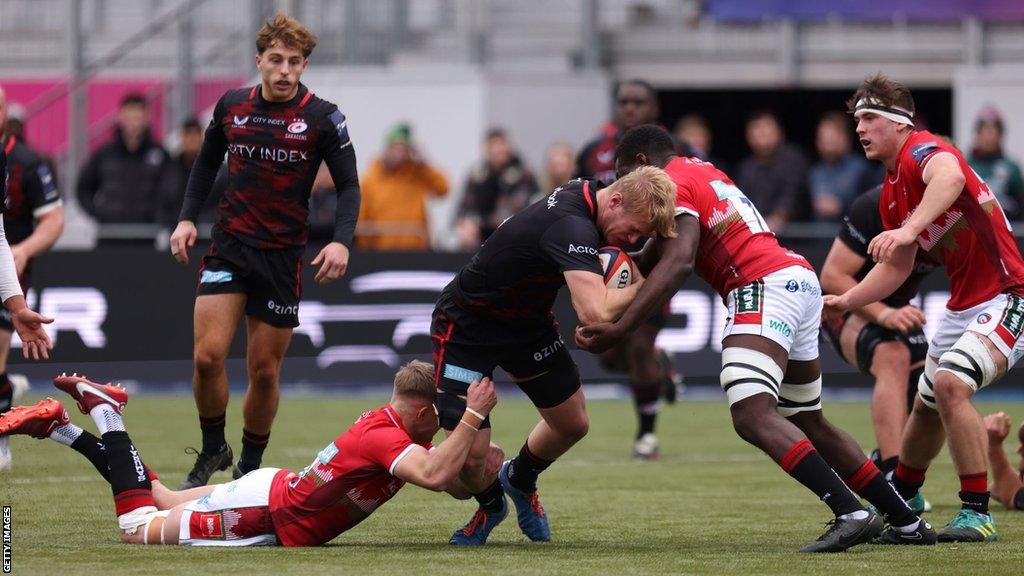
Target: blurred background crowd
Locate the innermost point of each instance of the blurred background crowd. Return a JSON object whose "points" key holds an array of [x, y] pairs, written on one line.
{"points": [[122, 133]]}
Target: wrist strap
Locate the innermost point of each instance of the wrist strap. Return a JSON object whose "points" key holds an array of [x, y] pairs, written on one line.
{"points": [[475, 429], [482, 417]]}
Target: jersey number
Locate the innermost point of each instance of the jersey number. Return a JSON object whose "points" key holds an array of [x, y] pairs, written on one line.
{"points": [[743, 206]]}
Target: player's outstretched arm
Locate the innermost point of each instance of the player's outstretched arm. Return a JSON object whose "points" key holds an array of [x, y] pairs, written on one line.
{"points": [[29, 325], [674, 266], [435, 470], [838, 275], [880, 282], [1005, 480], [944, 182]]}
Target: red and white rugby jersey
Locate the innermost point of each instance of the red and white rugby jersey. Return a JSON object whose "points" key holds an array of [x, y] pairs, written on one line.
{"points": [[346, 482], [736, 246], [972, 239]]}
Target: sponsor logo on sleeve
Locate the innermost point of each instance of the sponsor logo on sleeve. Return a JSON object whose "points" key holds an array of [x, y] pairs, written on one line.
{"points": [[340, 126], [581, 249], [49, 186], [327, 454], [923, 150]]}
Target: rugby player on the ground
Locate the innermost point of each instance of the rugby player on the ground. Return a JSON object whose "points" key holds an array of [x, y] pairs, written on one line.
{"points": [[354, 475], [275, 135], [933, 200], [771, 374], [883, 339], [497, 312]]}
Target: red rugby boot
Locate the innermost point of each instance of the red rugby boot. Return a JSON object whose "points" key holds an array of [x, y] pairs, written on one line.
{"points": [[89, 394], [35, 421]]}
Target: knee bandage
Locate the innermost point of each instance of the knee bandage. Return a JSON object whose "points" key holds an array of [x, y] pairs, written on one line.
{"points": [[971, 361], [748, 372], [925, 385], [795, 398], [153, 516]]}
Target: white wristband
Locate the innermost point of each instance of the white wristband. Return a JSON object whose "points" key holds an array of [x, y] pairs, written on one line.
{"points": [[475, 413], [475, 429]]}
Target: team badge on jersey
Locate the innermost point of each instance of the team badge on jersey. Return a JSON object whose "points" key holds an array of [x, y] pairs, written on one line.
{"points": [[297, 127]]}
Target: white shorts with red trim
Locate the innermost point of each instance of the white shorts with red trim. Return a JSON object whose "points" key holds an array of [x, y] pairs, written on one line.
{"points": [[1000, 319], [234, 514], [784, 306]]}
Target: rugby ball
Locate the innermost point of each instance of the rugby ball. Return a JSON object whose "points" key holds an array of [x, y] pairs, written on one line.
{"points": [[618, 267]]}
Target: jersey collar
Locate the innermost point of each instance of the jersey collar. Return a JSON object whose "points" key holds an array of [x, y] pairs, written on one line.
{"points": [[591, 198], [300, 99], [899, 157]]}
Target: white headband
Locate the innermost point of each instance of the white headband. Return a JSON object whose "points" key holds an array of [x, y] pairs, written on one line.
{"points": [[894, 113]]}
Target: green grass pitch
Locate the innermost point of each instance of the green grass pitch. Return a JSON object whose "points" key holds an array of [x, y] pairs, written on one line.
{"points": [[711, 505]]}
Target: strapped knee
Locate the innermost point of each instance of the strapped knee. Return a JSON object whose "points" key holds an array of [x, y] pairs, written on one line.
{"points": [[971, 361], [748, 372], [162, 514], [795, 398], [926, 384]]}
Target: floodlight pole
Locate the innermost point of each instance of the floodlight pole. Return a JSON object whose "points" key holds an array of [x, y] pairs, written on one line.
{"points": [[78, 124]]}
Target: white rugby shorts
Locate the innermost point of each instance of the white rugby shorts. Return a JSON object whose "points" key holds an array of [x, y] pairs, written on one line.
{"points": [[234, 514], [784, 306]]}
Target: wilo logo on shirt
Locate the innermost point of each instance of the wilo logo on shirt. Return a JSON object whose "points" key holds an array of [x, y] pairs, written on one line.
{"points": [[781, 327]]}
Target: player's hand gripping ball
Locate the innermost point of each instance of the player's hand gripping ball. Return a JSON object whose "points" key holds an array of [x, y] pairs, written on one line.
{"points": [[619, 270]]}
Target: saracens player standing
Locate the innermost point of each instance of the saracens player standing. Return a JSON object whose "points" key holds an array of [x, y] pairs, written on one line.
{"points": [[497, 312], [33, 221], [932, 199], [771, 374], [275, 135]]}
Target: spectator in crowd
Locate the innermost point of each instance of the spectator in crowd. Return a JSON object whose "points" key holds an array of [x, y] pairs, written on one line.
{"points": [[1002, 175], [128, 179], [840, 175], [559, 165], [694, 131], [191, 143], [636, 103], [773, 177], [15, 125], [393, 213], [498, 187]]}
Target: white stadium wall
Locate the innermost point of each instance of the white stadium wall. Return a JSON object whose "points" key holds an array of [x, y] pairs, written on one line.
{"points": [[450, 108]]}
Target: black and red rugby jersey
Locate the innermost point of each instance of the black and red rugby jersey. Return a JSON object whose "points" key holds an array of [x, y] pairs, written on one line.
{"points": [[274, 150]]}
